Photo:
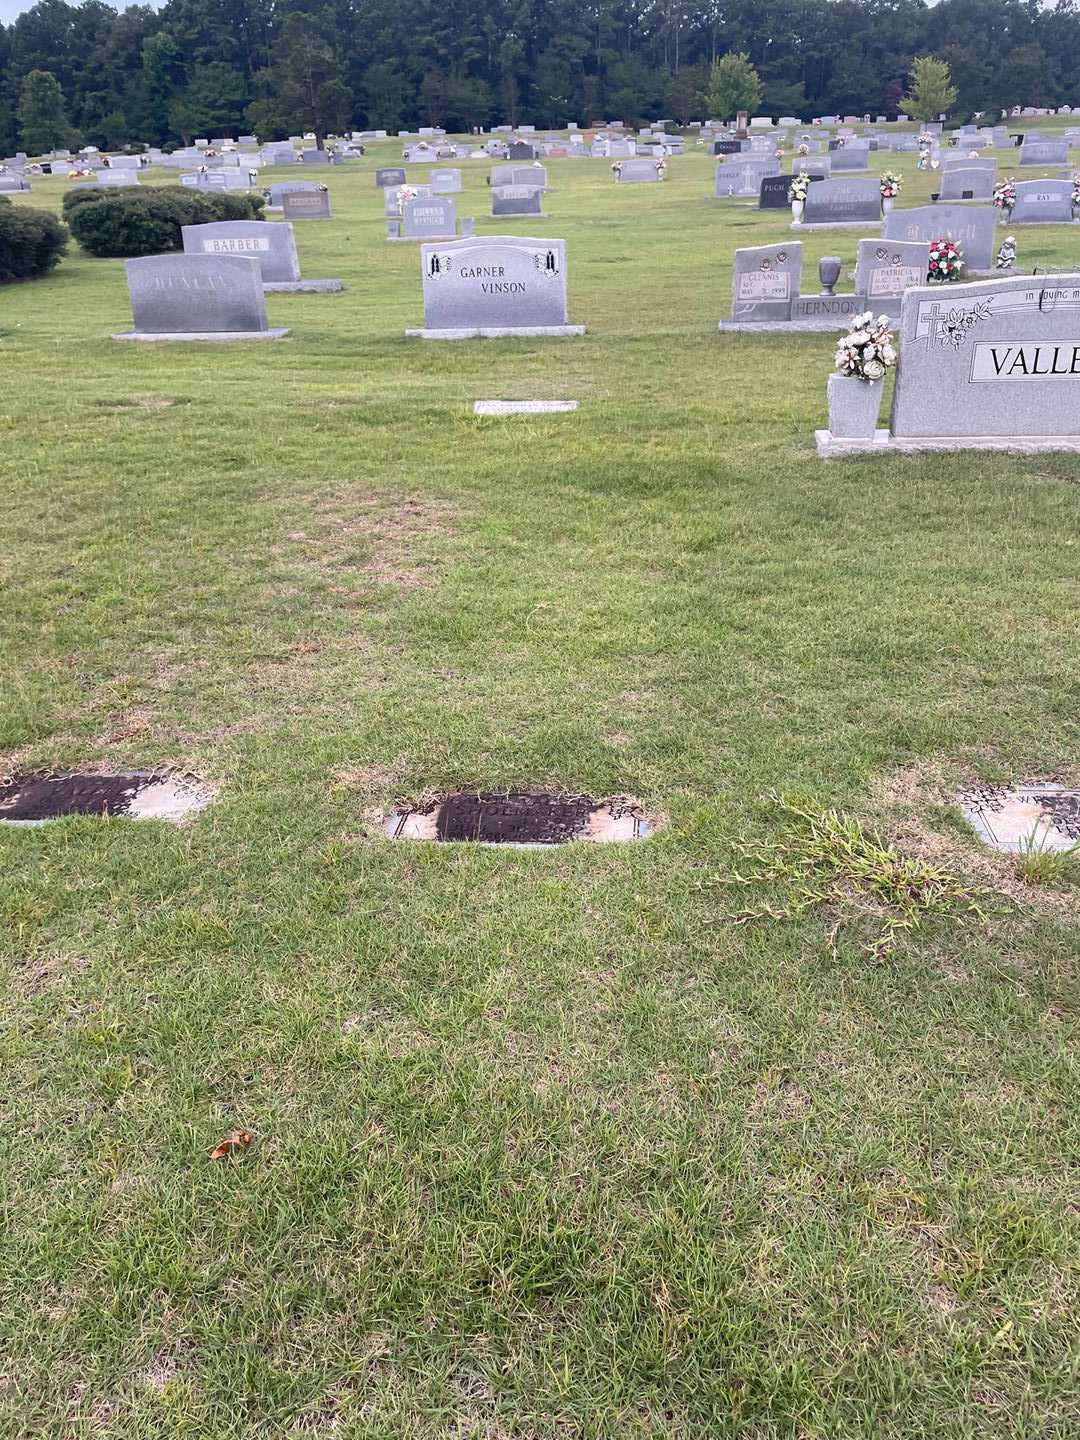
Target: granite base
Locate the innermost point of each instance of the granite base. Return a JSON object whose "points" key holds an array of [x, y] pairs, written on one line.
{"points": [[884, 443], [496, 332], [302, 287], [839, 225], [170, 337]]}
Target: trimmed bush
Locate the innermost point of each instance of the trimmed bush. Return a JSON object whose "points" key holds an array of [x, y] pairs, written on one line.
{"points": [[31, 242], [148, 222], [80, 195]]}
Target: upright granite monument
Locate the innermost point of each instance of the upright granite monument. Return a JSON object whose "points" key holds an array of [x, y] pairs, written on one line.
{"points": [[197, 297], [272, 245], [993, 365], [494, 286]]}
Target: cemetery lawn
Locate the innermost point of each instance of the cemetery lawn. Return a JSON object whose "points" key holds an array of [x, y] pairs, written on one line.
{"points": [[544, 1146]]}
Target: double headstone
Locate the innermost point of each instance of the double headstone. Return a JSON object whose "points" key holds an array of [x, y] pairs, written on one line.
{"points": [[765, 290], [193, 297], [494, 285]]}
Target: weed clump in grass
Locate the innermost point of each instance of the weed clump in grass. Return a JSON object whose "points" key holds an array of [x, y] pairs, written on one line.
{"points": [[830, 862], [1039, 864]]}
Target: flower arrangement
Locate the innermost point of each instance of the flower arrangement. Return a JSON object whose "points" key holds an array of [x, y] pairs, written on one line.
{"points": [[867, 350], [804, 149], [1005, 194], [946, 261], [404, 195], [798, 188], [1076, 191], [616, 168], [661, 167], [778, 153], [926, 140], [891, 185]]}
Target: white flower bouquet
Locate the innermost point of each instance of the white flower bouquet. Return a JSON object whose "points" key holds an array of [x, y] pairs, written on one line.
{"points": [[867, 351], [891, 185], [798, 188], [1005, 194]]}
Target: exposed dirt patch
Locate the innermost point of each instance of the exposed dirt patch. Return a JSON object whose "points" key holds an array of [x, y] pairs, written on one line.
{"points": [[942, 1299], [143, 402], [907, 797], [385, 540], [39, 973]]}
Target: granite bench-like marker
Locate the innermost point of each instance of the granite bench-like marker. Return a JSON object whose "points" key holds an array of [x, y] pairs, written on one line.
{"points": [[494, 285], [212, 297]]}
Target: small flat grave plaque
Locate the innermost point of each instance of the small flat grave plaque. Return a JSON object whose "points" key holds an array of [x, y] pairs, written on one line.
{"points": [[521, 817], [524, 407], [1046, 817], [31, 799]]}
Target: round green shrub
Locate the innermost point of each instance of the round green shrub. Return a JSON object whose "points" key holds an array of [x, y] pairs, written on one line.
{"points": [[31, 242], [149, 222]]}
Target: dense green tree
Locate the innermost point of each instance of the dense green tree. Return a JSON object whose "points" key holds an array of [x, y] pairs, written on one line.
{"points": [[931, 92], [734, 85], [140, 74], [42, 121]]}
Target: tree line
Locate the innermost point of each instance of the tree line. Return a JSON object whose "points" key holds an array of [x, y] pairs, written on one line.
{"points": [[221, 67]]}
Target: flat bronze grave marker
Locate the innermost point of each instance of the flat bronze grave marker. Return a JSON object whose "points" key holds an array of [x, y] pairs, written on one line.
{"points": [[521, 817], [33, 798]]}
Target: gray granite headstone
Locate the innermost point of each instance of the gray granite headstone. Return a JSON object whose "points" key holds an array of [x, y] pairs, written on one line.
{"points": [[967, 162], [429, 217], [640, 171], [516, 200], [390, 175], [306, 205], [971, 227], [196, 294], [392, 197], [743, 176], [494, 282], [10, 184], [961, 183], [446, 182], [314, 157], [994, 358], [886, 269], [843, 202], [118, 179], [272, 245], [290, 187], [1044, 152], [1043, 202], [520, 150], [851, 157], [765, 280]]}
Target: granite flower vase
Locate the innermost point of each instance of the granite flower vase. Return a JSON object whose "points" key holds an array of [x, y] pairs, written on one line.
{"points": [[853, 407], [887, 203], [797, 208]]}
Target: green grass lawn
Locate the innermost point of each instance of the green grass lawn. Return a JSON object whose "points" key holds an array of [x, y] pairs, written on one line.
{"points": [[545, 1146]]}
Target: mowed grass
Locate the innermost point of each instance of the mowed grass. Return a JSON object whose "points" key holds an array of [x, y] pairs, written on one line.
{"points": [[545, 1147]]}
